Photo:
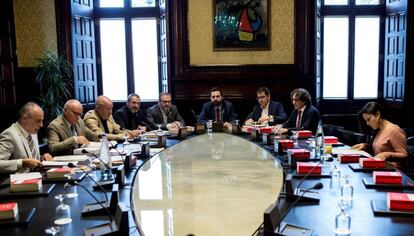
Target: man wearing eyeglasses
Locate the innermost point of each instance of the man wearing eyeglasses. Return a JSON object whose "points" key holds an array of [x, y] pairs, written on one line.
{"points": [[164, 114], [68, 130], [268, 112], [218, 109]]}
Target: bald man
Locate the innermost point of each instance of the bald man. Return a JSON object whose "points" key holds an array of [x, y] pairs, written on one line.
{"points": [[68, 131], [19, 146], [101, 121]]}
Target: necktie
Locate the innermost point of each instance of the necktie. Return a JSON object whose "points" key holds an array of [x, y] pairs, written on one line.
{"points": [[74, 134], [32, 147], [218, 115], [73, 130], [299, 119]]}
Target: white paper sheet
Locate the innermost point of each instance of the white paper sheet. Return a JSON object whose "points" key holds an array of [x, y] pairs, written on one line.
{"points": [[25, 176]]}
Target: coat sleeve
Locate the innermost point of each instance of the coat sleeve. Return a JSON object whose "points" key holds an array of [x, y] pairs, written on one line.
{"points": [[7, 148]]}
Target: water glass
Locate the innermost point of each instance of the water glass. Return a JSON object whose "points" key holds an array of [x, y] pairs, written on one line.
{"points": [[347, 193], [69, 188], [342, 223], [209, 126], [62, 212]]}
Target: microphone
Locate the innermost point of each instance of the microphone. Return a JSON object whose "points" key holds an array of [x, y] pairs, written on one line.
{"points": [[129, 132], [301, 196], [273, 217], [71, 165], [194, 114], [294, 194], [74, 183]]}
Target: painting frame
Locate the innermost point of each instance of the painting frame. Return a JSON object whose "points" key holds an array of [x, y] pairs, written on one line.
{"points": [[241, 25]]}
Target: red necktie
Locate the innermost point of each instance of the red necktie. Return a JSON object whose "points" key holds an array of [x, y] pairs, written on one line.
{"points": [[218, 115], [298, 119]]}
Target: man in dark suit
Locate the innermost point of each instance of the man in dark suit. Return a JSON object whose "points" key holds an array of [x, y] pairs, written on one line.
{"points": [[304, 116], [130, 116], [165, 114], [268, 111], [217, 109], [68, 131]]}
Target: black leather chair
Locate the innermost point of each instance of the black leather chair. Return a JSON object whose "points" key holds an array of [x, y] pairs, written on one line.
{"points": [[350, 137], [331, 130], [409, 168]]}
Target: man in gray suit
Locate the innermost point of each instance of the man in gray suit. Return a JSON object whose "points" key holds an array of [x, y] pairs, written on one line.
{"points": [[68, 131], [19, 147], [165, 114]]}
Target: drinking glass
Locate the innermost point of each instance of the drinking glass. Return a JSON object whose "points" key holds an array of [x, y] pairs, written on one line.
{"points": [[53, 230], [70, 189], [159, 130], [62, 212], [347, 193], [209, 126], [335, 177], [342, 222]]}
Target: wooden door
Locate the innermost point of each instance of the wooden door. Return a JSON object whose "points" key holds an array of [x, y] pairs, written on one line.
{"points": [[83, 51]]}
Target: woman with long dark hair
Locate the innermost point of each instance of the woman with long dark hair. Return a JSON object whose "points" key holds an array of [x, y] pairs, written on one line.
{"points": [[388, 141]]}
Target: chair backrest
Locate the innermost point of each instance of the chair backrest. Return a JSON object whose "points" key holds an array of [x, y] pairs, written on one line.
{"points": [[350, 137], [331, 130], [410, 150]]}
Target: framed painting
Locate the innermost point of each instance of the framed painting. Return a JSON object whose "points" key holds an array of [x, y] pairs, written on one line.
{"points": [[241, 25]]}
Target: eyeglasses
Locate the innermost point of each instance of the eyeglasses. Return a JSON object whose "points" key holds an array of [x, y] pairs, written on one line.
{"points": [[166, 101], [76, 113], [260, 97]]}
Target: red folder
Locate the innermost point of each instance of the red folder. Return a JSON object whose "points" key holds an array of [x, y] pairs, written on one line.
{"points": [[371, 163], [387, 177], [306, 167], [400, 201]]}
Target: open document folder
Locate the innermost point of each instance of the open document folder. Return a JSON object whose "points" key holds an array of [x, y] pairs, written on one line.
{"points": [[348, 150], [93, 147]]}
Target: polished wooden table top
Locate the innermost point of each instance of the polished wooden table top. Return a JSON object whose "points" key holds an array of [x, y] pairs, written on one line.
{"points": [[213, 184]]}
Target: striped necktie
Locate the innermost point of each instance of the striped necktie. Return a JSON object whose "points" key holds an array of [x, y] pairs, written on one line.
{"points": [[32, 147]]}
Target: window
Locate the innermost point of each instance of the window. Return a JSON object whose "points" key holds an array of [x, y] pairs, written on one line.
{"points": [[128, 48], [351, 49]]}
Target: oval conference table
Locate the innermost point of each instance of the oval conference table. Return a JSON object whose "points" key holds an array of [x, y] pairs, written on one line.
{"points": [[212, 184]]}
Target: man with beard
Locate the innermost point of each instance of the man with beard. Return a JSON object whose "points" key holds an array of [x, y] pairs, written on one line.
{"points": [[304, 116], [268, 111], [218, 109], [164, 114], [130, 116]]}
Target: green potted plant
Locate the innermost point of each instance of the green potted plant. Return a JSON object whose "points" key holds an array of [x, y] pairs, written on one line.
{"points": [[53, 77]]}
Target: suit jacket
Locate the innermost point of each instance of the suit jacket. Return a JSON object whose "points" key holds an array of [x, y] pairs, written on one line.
{"points": [[154, 116], [275, 109], [310, 119], [94, 123], [228, 113], [128, 120], [14, 147], [61, 141]]}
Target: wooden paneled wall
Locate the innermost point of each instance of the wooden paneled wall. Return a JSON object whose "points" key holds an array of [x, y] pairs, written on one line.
{"points": [[191, 84]]}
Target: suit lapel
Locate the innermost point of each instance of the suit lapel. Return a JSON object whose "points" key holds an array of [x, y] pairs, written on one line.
{"points": [[64, 126], [23, 140]]}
